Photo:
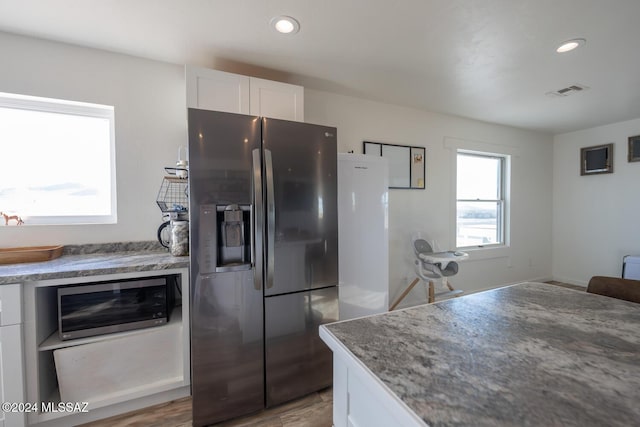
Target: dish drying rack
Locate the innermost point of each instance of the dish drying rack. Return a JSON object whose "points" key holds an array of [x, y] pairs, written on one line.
{"points": [[173, 196]]}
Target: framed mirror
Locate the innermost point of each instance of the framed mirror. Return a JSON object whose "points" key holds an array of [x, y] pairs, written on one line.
{"points": [[406, 163], [597, 159], [634, 149]]}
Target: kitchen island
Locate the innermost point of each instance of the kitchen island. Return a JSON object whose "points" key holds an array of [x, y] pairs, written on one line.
{"points": [[530, 354]]}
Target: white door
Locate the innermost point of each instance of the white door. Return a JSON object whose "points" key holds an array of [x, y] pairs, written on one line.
{"points": [[276, 100], [216, 90]]}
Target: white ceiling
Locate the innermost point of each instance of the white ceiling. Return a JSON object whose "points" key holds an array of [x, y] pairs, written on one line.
{"points": [[490, 60]]}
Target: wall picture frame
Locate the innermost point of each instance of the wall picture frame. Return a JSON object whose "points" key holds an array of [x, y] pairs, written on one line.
{"points": [[407, 164], [596, 160], [634, 149]]}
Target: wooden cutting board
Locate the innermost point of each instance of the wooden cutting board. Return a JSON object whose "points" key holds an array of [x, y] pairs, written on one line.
{"points": [[29, 254]]}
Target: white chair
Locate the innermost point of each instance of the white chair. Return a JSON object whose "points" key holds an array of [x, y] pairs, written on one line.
{"points": [[431, 266]]}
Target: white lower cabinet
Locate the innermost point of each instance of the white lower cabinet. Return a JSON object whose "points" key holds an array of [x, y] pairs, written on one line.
{"points": [[360, 399], [85, 379], [354, 403], [11, 357], [11, 380]]}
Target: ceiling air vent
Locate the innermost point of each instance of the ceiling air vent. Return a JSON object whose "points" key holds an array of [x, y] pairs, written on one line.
{"points": [[566, 91]]}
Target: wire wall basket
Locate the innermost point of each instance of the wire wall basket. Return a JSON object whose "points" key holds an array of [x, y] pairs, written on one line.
{"points": [[173, 195]]}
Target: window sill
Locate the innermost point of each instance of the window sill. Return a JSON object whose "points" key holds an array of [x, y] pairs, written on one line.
{"points": [[478, 254]]}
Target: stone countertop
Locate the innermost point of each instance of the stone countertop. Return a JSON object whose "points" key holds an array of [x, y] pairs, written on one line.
{"points": [[94, 260], [531, 354]]}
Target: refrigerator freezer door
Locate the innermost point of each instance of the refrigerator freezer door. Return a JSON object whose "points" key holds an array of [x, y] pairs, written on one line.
{"points": [[303, 248], [297, 361], [226, 347]]}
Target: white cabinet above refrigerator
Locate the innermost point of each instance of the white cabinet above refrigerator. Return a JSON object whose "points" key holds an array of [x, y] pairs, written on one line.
{"points": [[234, 93]]}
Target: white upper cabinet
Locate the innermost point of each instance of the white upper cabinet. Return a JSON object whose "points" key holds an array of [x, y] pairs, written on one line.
{"points": [[220, 91], [217, 90], [276, 100]]}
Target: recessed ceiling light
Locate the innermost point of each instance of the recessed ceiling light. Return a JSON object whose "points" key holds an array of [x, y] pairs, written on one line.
{"points": [[285, 24], [569, 45]]}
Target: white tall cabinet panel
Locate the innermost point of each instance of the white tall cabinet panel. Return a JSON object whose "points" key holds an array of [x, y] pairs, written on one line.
{"points": [[233, 93], [276, 100], [217, 90], [363, 227], [11, 365]]}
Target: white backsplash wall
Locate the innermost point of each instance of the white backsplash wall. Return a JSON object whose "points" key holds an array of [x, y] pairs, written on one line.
{"points": [[430, 210], [595, 218], [150, 123]]}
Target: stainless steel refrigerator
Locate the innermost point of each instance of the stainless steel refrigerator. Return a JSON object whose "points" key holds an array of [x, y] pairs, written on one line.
{"points": [[264, 260]]}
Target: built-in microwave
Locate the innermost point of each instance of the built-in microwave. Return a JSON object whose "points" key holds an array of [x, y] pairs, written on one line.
{"points": [[114, 306]]}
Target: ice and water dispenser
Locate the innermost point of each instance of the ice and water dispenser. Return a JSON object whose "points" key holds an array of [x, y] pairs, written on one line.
{"points": [[225, 238], [234, 245]]}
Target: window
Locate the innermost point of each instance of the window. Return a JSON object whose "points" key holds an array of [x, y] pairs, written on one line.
{"points": [[480, 199], [58, 161]]}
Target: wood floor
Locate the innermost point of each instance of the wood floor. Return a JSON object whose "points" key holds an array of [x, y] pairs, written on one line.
{"points": [[314, 410]]}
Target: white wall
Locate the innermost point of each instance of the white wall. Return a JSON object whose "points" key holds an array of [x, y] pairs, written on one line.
{"points": [[430, 210], [150, 117], [149, 100], [596, 217]]}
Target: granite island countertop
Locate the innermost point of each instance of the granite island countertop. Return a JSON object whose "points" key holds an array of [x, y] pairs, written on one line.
{"points": [[531, 354], [95, 260]]}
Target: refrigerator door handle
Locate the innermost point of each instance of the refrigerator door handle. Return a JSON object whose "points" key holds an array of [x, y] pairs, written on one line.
{"points": [[271, 217], [257, 220]]}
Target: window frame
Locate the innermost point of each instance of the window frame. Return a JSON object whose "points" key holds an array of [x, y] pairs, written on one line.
{"points": [[60, 106], [501, 201]]}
